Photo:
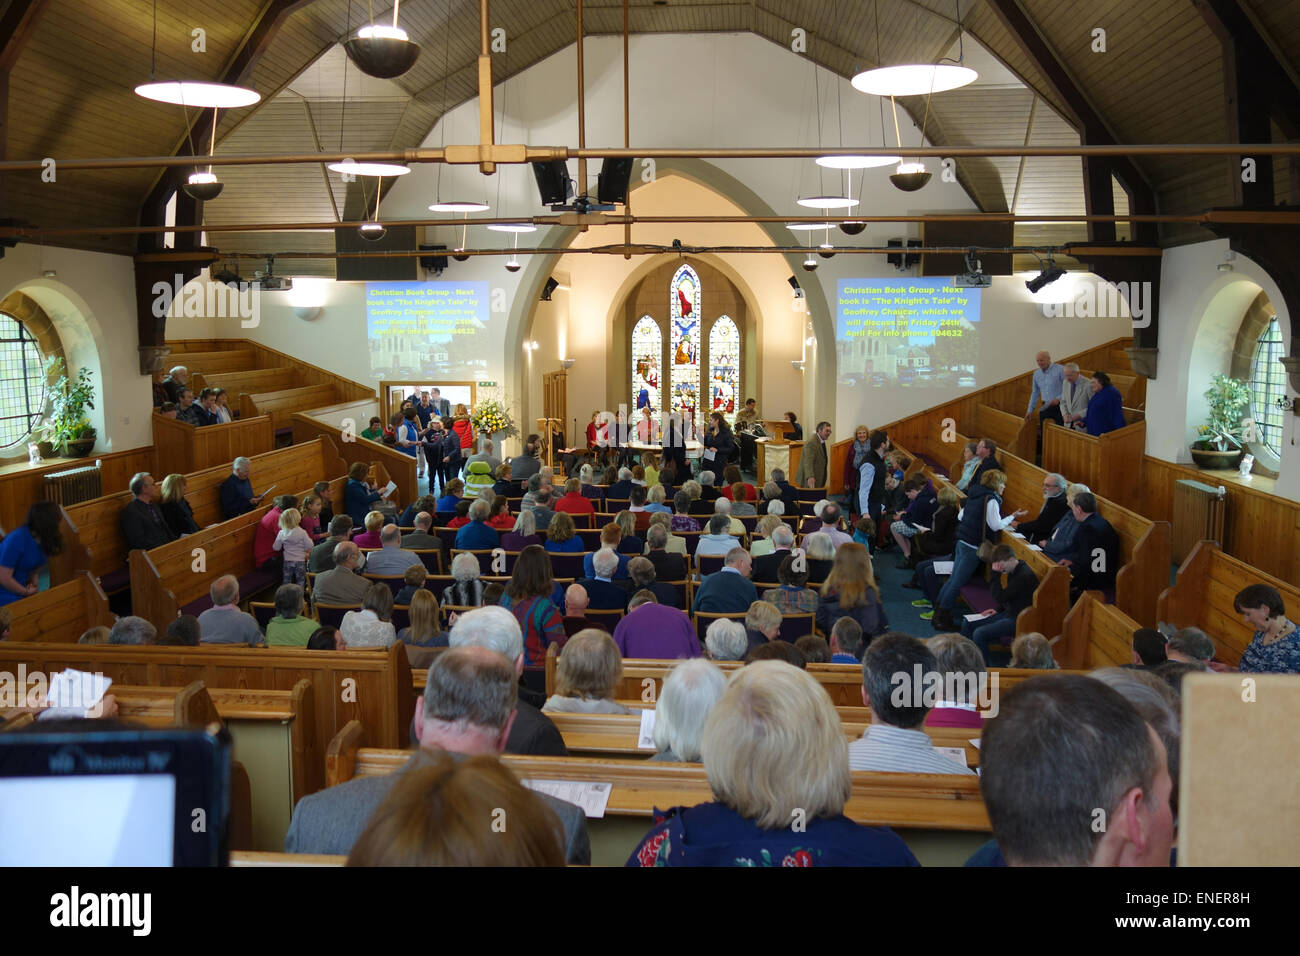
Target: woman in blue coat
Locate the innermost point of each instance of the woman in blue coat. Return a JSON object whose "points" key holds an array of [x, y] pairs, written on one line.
{"points": [[721, 440], [1105, 408], [358, 494]]}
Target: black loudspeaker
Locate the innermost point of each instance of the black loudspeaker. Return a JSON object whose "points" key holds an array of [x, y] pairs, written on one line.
{"points": [[553, 182], [612, 183], [434, 263], [904, 260], [377, 269], [551, 286]]}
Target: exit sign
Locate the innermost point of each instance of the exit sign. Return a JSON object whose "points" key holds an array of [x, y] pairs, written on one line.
{"points": [[487, 384]]}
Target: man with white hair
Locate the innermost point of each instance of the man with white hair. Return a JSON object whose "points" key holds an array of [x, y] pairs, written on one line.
{"points": [[477, 535], [767, 566], [1053, 510], [1075, 395], [175, 381], [342, 585], [603, 592], [668, 565], [143, 525], [485, 454], [718, 540], [421, 539], [132, 630], [468, 709], [622, 488], [224, 622], [725, 640], [689, 692], [1191, 645], [390, 559], [1048, 380], [498, 630], [729, 591], [722, 506], [237, 496]]}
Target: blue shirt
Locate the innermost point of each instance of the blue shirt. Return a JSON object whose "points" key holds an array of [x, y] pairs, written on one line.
{"points": [[1280, 657], [572, 546], [357, 498], [21, 554], [1047, 385], [476, 536]]}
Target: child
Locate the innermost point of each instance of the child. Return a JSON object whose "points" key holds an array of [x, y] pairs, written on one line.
{"points": [[462, 514], [311, 508], [414, 576], [296, 545], [864, 532]]}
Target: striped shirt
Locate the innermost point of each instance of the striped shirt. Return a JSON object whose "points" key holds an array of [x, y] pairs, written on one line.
{"points": [[893, 749]]}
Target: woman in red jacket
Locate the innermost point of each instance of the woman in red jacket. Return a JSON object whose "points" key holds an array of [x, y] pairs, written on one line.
{"points": [[465, 429]]}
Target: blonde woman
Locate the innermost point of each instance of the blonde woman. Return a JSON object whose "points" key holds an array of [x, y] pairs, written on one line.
{"points": [[424, 630], [176, 511], [851, 591], [773, 751], [370, 537], [763, 545], [629, 543], [587, 676]]}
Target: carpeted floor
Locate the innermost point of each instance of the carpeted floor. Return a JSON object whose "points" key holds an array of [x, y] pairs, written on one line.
{"points": [[903, 618]]}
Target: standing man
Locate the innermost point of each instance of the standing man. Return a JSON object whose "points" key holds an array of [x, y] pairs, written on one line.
{"points": [[1075, 394], [871, 484], [424, 411], [441, 406], [816, 454], [1049, 378]]}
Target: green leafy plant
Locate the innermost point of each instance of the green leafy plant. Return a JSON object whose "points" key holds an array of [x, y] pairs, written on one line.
{"points": [[69, 400], [1222, 431]]}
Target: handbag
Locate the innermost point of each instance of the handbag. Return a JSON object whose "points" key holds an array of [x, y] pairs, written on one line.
{"points": [[985, 551]]}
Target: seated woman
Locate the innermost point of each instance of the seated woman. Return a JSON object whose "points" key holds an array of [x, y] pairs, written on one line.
{"points": [[224, 415], [290, 627], [528, 596], [1032, 652], [689, 692], [434, 813], [970, 461], [740, 498], [502, 519], [850, 591], [794, 432], [587, 676], [425, 503], [821, 552], [773, 751], [730, 476], [26, 549], [176, 511], [629, 543], [524, 532], [655, 501], [372, 626], [793, 596], [504, 487], [358, 494], [423, 630], [451, 494], [942, 536], [467, 591], [376, 430], [1275, 646], [370, 537], [761, 540], [561, 536], [682, 501]]}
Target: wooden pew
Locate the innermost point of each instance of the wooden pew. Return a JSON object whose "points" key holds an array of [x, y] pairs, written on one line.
{"points": [[251, 381], [1108, 464], [398, 467], [928, 801], [249, 858], [281, 404], [1096, 634], [372, 687], [92, 530], [61, 614], [1014, 435], [184, 448], [209, 362], [1202, 596]]}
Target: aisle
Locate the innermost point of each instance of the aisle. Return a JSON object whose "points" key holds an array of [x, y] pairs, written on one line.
{"points": [[897, 600]]}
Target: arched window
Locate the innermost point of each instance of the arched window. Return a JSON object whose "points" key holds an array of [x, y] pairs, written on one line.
{"points": [[684, 316], [724, 368], [647, 356], [22, 382], [1267, 385]]}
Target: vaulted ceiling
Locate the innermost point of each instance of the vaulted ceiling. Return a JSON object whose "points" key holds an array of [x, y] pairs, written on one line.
{"points": [[1160, 79]]}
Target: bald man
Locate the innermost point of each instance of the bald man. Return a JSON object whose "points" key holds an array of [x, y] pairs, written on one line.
{"points": [[1049, 380]]}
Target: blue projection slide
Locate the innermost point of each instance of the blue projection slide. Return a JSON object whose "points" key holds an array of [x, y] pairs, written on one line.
{"points": [[906, 331]]}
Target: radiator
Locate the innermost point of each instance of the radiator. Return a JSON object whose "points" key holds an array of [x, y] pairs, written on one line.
{"points": [[74, 485], [1198, 514]]}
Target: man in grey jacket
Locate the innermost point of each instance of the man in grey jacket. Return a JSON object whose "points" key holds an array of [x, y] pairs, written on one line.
{"points": [[468, 709]]}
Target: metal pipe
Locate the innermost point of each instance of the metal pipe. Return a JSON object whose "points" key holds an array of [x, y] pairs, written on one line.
{"points": [[520, 153], [654, 250], [1259, 217]]}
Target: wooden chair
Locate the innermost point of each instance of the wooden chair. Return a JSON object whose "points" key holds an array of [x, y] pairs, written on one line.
{"points": [[487, 556], [708, 564], [331, 615], [395, 582], [567, 565], [795, 626], [432, 559], [447, 610], [684, 593], [401, 616], [608, 618], [262, 613]]}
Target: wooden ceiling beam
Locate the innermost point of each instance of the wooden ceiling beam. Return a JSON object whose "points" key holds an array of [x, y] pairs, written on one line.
{"points": [[17, 24], [1092, 126]]}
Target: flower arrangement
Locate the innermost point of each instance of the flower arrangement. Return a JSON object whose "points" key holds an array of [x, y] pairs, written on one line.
{"points": [[491, 417], [1228, 399]]}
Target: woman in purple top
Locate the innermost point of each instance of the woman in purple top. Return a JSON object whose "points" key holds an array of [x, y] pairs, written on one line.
{"points": [[681, 520], [523, 534], [655, 631]]}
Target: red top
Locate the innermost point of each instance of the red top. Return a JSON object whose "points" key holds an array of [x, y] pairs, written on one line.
{"points": [[368, 539], [264, 537], [460, 521], [749, 491], [466, 432], [575, 503], [505, 522]]}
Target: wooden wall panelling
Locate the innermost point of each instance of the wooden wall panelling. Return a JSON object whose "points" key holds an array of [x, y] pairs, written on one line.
{"points": [[22, 484]]}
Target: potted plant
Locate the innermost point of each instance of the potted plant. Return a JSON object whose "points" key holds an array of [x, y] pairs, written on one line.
{"points": [[68, 427], [1220, 443]]}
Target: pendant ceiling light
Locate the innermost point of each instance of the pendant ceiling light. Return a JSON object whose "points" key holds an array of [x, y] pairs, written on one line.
{"points": [[350, 167], [199, 95], [456, 205], [917, 79], [807, 226], [854, 162], [823, 201], [383, 52], [439, 204], [512, 227], [373, 229]]}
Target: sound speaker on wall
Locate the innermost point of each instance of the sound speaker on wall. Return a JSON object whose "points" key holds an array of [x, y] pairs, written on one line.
{"points": [[611, 185], [553, 182], [902, 260]]}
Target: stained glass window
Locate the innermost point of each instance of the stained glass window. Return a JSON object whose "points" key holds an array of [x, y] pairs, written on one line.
{"points": [[724, 368], [647, 357], [22, 382], [1267, 385], [684, 315]]}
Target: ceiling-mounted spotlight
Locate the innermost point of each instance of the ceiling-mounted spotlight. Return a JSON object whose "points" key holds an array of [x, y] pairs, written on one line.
{"points": [[810, 264], [1050, 273], [203, 186], [383, 52], [852, 228], [909, 177], [374, 231], [513, 265], [567, 363]]}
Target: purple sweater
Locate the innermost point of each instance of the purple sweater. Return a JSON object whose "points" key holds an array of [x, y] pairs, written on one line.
{"points": [[658, 632]]}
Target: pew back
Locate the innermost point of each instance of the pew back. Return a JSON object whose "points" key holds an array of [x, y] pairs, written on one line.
{"points": [[1096, 634], [61, 614]]}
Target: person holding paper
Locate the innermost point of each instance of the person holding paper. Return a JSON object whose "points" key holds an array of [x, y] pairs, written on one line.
{"points": [[237, 496], [1012, 589], [468, 708], [1054, 508], [718, 443], [358, 494]]}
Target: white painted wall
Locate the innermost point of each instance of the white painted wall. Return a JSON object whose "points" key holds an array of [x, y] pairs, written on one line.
{"points": [[92, 303], [1201, 310]]}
